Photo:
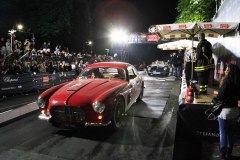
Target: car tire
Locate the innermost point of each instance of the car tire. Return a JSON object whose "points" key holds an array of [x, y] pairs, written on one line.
{"points": [[55, 124], [141, 94], [118, 115]]}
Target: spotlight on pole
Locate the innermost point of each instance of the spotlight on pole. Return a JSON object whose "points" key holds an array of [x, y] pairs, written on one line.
{"points": [[11, 33], [90, 43], [118, 38], [118, 35], [19, 26]]}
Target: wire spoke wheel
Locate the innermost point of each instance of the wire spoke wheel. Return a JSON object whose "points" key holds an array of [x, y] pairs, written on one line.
{"points": [[118, 114]]}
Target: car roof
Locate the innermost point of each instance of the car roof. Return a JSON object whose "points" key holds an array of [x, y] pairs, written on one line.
{"points": [[122, 65]]}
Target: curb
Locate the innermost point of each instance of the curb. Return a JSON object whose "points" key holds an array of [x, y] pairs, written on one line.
{"points": [[18, 112]]}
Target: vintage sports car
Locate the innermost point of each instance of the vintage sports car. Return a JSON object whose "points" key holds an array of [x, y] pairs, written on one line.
{"points": [[158, 68], [99, 96]]}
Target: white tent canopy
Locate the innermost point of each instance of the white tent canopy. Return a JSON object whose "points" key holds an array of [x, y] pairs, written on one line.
{"points": [[178, 45], [185, 30]]}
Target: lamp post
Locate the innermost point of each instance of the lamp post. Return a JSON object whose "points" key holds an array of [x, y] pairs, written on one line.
{"points": [[11, 32], [119, 38], [90, 43], [19, 26], [33, 39], [20, 29]]}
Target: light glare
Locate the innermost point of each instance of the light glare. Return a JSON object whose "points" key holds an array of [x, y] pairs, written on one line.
{"points": [[19, 26], [118, 36]]}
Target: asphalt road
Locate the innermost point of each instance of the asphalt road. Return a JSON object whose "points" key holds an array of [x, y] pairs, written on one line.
{"points": [[148, 135], [18, 100]]}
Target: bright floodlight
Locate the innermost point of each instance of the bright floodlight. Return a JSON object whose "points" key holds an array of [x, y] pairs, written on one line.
{"points": [[90, 43], [19, 26], [118, 36]]}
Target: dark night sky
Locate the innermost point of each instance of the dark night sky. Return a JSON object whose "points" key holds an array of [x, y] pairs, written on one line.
{"points": [[134, 15], [137, 16], [155, 12]]}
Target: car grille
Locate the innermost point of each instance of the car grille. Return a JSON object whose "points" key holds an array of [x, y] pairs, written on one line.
{"points": [[157, 69], [67, 114]]}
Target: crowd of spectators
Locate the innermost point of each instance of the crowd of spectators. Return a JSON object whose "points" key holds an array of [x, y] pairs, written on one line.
{"points": [[24, 59]]}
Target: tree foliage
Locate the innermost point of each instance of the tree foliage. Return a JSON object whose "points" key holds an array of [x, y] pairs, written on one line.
{"points": [[195, 11], [50, 18], [8, 12], [66, 22]]}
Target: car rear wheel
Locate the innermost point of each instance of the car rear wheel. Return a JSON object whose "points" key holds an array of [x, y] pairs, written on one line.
{"points": [[118, 115]]}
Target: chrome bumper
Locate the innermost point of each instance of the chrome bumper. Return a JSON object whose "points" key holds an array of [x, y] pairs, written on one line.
{"points": [[44, 117], [97, 124], [47, 118]]}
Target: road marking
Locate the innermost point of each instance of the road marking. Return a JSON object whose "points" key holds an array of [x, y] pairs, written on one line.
{"points": [[6, 111], [17, 105]]}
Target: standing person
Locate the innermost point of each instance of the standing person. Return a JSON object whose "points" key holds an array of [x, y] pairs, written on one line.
{"points": [[180, 61], [177, 63], [229, 94], [8, 47], [204, 62], [26, 46], [188, 66], [170, 64], [44, 45], [3, 48], [174, 62]]}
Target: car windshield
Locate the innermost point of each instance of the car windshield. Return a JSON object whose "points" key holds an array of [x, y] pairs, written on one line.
{"points": [[103, 72]]}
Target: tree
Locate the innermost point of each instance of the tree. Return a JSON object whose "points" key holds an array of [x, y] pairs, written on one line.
{"points": [[8, 13], [47, 19], [195, 11], [54, 18]]}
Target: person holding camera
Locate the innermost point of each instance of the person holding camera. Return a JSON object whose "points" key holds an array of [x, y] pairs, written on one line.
{"points": [[229, 92]]}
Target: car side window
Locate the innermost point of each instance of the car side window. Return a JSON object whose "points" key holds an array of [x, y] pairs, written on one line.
{"points": [[135, 71], [131, 73]]}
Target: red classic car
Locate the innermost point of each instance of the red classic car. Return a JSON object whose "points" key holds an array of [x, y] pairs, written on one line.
{"points": [[99, 96]]}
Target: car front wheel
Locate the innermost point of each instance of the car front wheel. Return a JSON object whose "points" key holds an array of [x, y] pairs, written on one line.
{"points": [[118, 114], [54, 123]]}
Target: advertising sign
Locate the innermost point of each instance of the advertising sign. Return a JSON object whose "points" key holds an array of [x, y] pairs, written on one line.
{"points": [[11, 84], [142, 38]]}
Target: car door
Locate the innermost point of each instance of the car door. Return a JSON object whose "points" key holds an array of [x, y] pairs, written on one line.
{"points": [[133, 85], [139, 82]]}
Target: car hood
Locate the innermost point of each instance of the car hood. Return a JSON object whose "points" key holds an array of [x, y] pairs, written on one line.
{"points": [[84, 91]]}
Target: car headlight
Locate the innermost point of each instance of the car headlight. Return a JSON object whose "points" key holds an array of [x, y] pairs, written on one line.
{"points": [[165, 68], [98, 107], [41, 103]]}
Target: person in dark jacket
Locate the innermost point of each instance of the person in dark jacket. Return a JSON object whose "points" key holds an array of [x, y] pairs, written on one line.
{"points": [[175, 64], [229, 93], [204, 62]]}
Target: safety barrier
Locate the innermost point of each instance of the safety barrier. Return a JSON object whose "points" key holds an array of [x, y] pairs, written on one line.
{"points": [[11, 84]]}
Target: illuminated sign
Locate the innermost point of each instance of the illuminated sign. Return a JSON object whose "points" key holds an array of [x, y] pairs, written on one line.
{"points": [[140, 38]]}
